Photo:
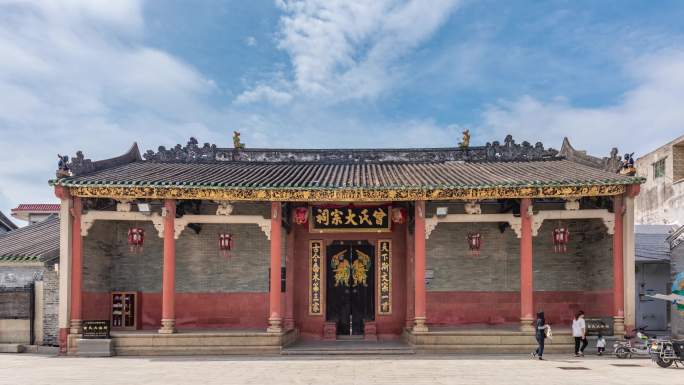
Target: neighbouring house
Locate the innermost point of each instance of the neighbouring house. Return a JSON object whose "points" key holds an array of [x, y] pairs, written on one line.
{"points": [[652, 275], [661, 202], [6, 224], [197, 237], [29, 284], [35, 212]]}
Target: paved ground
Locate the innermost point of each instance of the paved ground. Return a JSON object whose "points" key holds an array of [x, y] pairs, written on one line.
{"points": [[17, 369]]}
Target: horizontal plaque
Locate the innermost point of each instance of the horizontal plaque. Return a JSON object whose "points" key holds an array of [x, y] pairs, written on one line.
{"points": [[96, 329], [350, 218]]}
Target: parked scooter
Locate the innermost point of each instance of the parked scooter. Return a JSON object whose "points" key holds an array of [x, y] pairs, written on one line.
{"points": [[666, 352], [641, 347]]}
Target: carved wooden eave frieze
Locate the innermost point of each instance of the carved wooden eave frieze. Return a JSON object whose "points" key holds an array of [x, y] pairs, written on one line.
{"points": [[343, 194], [89, 218], [263, 223], [604, 215], [515, 222], [512, 220]]}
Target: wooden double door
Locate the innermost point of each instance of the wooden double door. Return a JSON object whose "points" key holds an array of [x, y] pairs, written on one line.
{"points": [[350, 285]]}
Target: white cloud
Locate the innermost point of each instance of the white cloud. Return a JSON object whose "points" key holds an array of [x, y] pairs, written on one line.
{"points": [[263, 93], [75, 75], [250, 41], [347, 49], [645, 117]]}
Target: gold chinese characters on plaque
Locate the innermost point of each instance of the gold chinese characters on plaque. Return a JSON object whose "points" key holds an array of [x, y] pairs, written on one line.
{"points": [[384, 267], [315, 274], [350, 218]]}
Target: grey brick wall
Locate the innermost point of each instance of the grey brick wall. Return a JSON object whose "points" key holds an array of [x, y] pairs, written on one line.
{"points": [[18, 276], [109, 265], [455, 269], [586, 266], [50, 308]]}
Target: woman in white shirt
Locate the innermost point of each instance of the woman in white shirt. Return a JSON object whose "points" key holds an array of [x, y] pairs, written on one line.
{"points": [[579, 331]]}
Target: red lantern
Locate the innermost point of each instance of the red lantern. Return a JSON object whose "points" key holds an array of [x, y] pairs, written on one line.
{"points": [[474, 243], [225, 243], [399, 215], [561, 236], [301, 215], [136, 239]]}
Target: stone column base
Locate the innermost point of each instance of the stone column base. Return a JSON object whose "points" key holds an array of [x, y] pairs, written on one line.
{"points": [[618, 326], [419, 325], [168, 326], [275, 325], [527, 325], [76, 326]]}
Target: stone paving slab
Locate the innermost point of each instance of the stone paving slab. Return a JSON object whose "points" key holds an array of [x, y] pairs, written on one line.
{"points": [[19, 369]]}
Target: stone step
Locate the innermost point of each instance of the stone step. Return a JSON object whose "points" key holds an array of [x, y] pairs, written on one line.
{"points": [[455, 339], [490, 349], [11, 348], [345, 352], [196, 350]]}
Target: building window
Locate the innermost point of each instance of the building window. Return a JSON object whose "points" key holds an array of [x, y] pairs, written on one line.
{"points": [[659, 168]]}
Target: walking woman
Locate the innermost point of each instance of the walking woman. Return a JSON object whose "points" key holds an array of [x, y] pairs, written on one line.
{"points": [[579, 331], [540, 327]]}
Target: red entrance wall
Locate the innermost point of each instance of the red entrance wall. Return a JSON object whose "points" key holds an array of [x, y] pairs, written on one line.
{"points": [[239, 310], [460, 308], [388, 326]]}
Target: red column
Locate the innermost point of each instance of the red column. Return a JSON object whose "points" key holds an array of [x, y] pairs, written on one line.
{"points": [[618, 272], [76, 268], [168, 322], [526, 277], [275, 319], [289, 282], [419, 264], [410, 286]]}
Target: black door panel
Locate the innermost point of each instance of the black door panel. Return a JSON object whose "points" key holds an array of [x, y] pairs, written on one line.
{"points": [[350, 294]]}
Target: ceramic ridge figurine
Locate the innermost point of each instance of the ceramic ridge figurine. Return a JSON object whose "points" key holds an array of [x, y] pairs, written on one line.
{"points": [[466, 139], [62, 166], [628, 165], [236, 141]]}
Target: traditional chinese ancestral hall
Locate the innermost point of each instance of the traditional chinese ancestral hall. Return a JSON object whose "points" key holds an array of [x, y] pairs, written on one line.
{"points": [[200, 249]]}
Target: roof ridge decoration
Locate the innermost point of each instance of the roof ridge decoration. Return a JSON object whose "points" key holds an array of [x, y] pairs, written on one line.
{"points": [[613, 163], [79, 165], [190, 153], [491, 152]]}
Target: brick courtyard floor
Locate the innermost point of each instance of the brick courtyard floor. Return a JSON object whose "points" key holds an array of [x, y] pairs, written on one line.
{"points": [[16, 369]]}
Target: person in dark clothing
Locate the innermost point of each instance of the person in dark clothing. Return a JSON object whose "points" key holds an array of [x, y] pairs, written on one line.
{"points": [[540, 327]]}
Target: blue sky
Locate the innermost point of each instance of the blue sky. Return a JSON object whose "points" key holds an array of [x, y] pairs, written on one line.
{"points": [[99, 75]]}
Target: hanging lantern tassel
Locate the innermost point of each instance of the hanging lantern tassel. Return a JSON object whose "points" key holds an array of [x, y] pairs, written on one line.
{"points": [[474, 243], [225, 243], [561, 236], [136, 239]]}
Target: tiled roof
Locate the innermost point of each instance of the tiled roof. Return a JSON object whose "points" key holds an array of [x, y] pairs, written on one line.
{"points": [[444, 174], [37, 207], [651, 244], [6, 223], [38, 242]]}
